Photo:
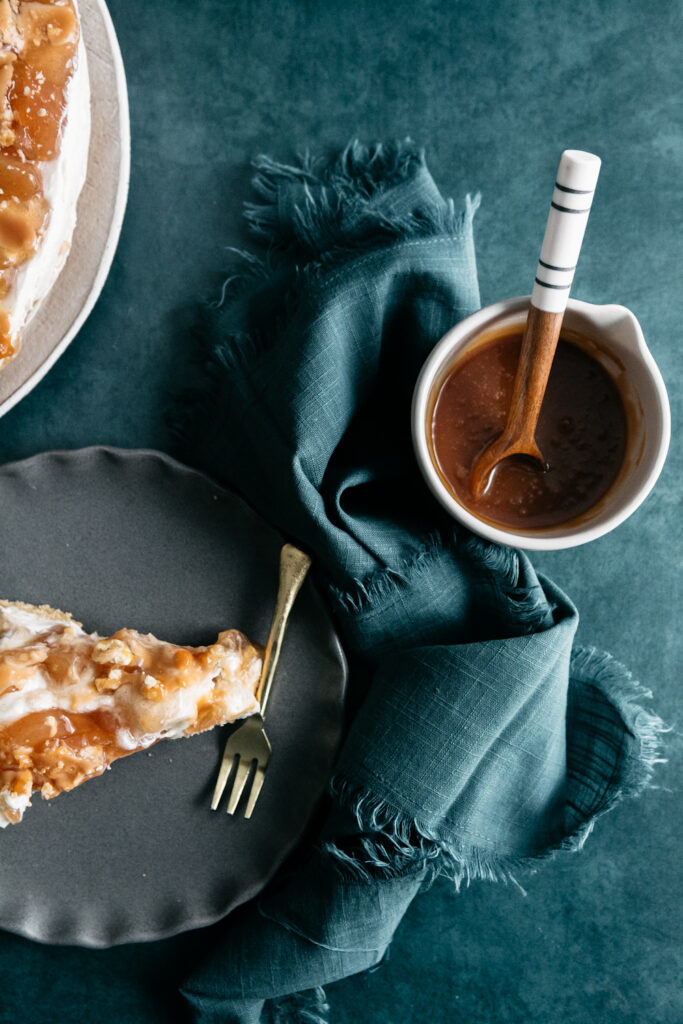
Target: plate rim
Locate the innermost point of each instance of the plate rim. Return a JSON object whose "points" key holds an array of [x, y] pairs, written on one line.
{"points": [[115, 226], [94, 942]]}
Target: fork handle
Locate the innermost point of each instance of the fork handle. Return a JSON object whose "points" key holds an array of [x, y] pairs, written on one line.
{"points": [[294, 565]]}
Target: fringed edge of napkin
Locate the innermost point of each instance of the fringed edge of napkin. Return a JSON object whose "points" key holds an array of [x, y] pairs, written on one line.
{"points": [[593, 667], [393, 843], [341, 210], [359, 187], [528, 603], [313, 235]]}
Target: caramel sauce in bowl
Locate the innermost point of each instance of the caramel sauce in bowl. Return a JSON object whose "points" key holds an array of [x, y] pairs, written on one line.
{"points": [[631, 450]]}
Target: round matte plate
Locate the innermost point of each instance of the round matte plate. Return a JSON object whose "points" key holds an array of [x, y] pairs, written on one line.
{"points": [[100, 214], [132, 538]]}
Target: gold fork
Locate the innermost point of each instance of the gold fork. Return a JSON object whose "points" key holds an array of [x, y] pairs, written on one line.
{"points": [[249, 743]]}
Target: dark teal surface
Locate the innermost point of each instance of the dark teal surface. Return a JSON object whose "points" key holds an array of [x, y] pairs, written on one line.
{"points": [[494, 90]]}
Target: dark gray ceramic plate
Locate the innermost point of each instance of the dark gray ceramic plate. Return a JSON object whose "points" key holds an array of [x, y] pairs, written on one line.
{"points": [[132, 538]]}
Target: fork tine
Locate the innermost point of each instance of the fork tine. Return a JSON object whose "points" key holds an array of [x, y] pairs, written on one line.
{"points": [[223, 773], [243, 769], [259, 779]]}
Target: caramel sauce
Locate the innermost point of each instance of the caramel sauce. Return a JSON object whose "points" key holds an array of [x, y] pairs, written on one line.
{"points": [[582, 433], [38, 43], [60, 749]]}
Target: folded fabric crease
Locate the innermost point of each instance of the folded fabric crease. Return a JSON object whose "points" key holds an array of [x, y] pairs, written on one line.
{"points": [[480, 742]]}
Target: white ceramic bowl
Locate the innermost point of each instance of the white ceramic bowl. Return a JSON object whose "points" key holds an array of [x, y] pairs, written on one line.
{"points": [[622, 350]]}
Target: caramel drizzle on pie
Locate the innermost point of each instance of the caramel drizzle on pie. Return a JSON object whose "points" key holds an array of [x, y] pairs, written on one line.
{"points": [[38, 43]]}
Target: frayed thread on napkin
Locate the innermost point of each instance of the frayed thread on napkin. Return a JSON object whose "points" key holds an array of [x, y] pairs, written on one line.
{"points": [[308, 1007], [601, 671], [393, 843]]}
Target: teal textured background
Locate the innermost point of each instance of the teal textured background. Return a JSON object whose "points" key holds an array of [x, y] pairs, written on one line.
{"points": [[495, 90]]}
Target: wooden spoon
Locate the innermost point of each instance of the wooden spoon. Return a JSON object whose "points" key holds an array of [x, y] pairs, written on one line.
{"points": [[576, 179]]}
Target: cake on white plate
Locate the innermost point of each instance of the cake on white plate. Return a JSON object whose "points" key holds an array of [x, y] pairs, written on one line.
{"points": [[73, 702], [44, 139]]}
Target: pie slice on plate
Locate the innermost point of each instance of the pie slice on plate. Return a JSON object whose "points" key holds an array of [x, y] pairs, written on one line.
{"points": [[73, 702], [44, 141]]}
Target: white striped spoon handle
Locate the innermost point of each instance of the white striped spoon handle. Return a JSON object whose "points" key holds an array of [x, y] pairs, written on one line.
{"points": [[577, 176]]}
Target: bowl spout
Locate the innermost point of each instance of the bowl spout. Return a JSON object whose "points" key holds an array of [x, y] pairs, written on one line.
{"points": [[617, 325]]}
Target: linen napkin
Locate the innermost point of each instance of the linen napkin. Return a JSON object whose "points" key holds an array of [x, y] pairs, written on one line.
{"points": [[479, 741]]}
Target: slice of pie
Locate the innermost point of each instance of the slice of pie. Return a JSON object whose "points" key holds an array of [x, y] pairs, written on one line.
{"points": [[44, 140], [72, 702]]}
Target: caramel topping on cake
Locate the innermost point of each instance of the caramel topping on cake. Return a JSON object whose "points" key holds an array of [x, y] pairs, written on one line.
{"points": [[38, 44]]}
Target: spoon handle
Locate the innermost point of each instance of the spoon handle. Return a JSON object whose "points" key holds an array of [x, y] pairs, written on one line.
{"points": [[539, 341], [577, 176], [575, 184]]}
